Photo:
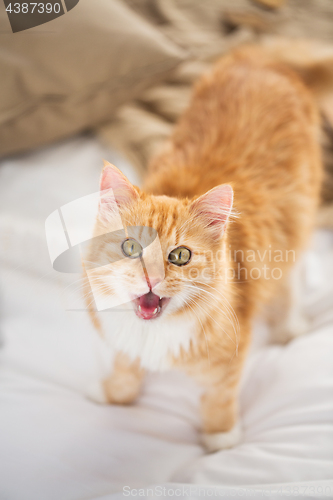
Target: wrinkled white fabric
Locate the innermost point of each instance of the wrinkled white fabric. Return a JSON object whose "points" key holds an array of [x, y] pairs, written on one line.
{"points": [[57, 445]]}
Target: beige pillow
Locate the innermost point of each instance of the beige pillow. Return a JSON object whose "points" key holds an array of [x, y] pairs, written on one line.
{"points": [[71, 73]]}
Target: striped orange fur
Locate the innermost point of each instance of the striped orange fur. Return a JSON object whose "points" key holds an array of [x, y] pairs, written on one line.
{"points": [[251, 125]]}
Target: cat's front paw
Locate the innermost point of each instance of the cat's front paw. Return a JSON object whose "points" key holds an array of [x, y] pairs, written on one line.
{"points": [[113, 391], [222, 440]]}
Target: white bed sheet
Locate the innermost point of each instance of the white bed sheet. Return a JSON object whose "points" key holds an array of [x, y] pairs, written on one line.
{"points": [[55, 444]]}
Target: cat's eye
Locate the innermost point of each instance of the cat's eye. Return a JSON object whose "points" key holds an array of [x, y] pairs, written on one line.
{"points": [[131, 248], [180, 256]]}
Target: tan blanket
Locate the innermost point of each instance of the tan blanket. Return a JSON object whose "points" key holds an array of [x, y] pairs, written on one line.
{"points": [[298, 32]]}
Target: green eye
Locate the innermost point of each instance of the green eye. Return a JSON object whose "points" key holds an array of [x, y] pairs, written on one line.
{"points": [[131, 248], [180, 256]]}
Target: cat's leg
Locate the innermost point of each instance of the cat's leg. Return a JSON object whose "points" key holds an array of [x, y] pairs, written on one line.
{"points": [[286, 315], [219, 412], [122, 386], [219, 403]]}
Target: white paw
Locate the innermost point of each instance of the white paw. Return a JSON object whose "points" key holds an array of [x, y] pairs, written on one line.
{"points": [[96, 393], [222, 440]]}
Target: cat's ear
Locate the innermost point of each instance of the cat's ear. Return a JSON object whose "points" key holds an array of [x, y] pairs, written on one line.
{"points": [[214, 208], [115, 187]]}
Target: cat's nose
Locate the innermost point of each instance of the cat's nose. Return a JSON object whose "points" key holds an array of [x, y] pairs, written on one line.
{"points": [[154, 282]]}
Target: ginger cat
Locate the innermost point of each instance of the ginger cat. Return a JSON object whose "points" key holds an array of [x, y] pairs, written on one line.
{"points": [[250, 133]]}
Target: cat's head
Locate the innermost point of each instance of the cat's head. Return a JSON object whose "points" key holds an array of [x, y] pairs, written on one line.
{"points": [[155, 253]]}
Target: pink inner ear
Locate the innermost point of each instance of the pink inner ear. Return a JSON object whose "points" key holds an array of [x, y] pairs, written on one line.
{"points": [[114, 181], [214, 207]]}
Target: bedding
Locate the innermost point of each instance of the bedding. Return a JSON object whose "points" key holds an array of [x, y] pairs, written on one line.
{"points": [[56, 444], [70, 74]]}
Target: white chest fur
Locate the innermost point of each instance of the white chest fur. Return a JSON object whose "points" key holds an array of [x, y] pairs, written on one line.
{"points": [[154, 342]]}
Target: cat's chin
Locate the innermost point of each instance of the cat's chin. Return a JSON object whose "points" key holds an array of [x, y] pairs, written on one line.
{"points": [[150, 306]]}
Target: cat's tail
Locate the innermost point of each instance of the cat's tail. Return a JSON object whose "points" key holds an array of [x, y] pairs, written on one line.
{"points": [[313, 62]]}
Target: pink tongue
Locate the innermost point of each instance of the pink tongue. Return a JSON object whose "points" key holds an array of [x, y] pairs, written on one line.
{"points": [[148, 303]]}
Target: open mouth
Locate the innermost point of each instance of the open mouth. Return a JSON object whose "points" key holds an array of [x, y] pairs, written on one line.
{"points": [[150, 305]]}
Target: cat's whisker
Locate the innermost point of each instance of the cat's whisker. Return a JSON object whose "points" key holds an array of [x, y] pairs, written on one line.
{"points": [[209, 303], [79, 287], [232, 318], [232, 323], [223, 312], [191, 219], [223, 296], [233, 214], [74, 283], [204, 331], [218, 324], [211, 294]]}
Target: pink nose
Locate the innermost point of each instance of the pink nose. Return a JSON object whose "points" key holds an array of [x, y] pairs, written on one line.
{"points": [[154, 282]]}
